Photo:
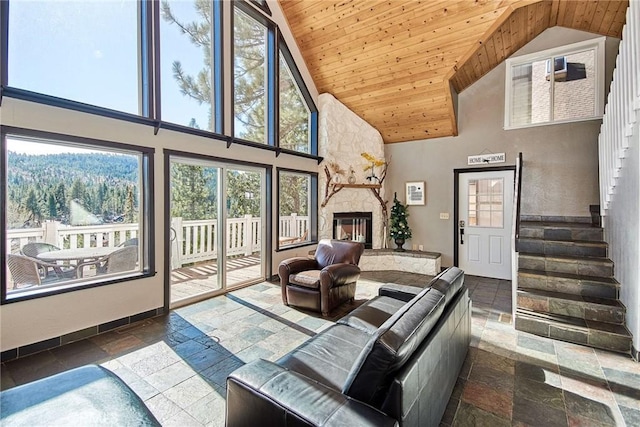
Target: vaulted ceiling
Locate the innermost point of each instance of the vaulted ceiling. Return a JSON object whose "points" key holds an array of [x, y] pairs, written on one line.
{"points": [[395, 63]]}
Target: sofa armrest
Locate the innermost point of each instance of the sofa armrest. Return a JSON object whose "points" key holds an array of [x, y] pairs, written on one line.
{"points": [[263, 393], [340, 274], [400, 292], [89, 395]]}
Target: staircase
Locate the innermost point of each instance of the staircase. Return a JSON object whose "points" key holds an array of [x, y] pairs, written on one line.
{"points": [[566, 288]]}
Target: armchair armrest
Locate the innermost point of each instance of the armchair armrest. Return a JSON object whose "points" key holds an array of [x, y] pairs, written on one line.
{"points": [[340, 274], [400, 292], [295, 265], [263, 393]]}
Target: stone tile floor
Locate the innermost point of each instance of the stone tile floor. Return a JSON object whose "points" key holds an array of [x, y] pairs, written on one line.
{"points": [[178, 363]]}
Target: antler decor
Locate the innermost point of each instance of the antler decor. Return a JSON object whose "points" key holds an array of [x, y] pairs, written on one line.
{"points": [[334, 190], [331, 189]]}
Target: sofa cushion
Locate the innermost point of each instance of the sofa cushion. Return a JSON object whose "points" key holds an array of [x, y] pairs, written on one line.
{"points": [[308, 279], [391, 345], [328, 356], [371, 315]]}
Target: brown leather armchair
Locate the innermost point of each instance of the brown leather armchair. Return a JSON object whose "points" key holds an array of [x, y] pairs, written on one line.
{"points": [[324, 282]]}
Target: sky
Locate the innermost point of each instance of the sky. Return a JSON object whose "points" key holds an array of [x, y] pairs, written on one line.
{"points": [[28, 147], [87, 51]]}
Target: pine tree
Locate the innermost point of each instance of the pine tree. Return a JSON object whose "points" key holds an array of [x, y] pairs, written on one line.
{"points": [[399, 227]]}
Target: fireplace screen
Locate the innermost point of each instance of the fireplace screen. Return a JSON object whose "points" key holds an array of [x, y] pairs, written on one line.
{"points": [[354, 226]]}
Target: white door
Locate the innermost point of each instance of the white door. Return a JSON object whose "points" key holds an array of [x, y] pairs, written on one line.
{"points": [[484, 228]]}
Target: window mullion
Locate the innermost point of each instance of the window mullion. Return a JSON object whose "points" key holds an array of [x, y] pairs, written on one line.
{"points": [[272, 87], [551, 89], [217, 68]]}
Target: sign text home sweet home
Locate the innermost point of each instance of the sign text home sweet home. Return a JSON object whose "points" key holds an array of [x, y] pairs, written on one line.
{"points": [[486, 158]]}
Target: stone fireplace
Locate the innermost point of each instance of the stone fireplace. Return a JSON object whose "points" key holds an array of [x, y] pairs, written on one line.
{"points": [[343, 137], [354, 226]]}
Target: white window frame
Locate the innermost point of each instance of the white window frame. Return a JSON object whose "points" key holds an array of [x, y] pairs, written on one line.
{"points": [[597, 44]]}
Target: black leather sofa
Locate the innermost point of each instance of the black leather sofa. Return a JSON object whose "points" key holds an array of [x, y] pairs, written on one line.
{"points": [[392, 361], [86, 396]]}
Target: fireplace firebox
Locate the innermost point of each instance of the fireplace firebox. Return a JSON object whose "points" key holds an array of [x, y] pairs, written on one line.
{"points": [[354, 226]]}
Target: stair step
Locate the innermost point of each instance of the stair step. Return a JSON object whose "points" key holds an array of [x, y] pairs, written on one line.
{"points": [[586, 332], [574, 284], [566, 231], [578, 306], [593, 267], [577, 248]]}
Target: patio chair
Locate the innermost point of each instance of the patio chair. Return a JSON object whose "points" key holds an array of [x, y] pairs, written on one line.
{"points": [[26, 271], [33, 249], [130, 242], [121, 260]]}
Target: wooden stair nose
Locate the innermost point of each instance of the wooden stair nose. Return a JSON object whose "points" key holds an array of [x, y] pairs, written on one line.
{"points": [[579, 331]]}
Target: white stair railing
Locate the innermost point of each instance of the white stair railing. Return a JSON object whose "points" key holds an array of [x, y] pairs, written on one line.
{"points": [[622, 108]]}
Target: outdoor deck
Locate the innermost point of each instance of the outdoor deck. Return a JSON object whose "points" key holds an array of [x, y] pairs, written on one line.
{"points": [[202, 277]]}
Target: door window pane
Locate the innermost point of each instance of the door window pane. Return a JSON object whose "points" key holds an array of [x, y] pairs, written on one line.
{"points": [[486, 203], [249, 78], [186, 62], [194, 234], [83, 51], [244, 225]]}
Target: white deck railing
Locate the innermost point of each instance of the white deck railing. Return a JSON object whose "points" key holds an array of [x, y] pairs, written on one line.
{"points": [[197, 240], [293, 225], [191, 241], [622, 108]]}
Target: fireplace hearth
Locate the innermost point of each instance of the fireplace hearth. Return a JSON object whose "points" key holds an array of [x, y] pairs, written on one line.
{"points": [[354, 226]]}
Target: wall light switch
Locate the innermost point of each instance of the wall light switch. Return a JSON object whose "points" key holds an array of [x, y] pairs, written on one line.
{"points": [[444, 215], [415, 247]]}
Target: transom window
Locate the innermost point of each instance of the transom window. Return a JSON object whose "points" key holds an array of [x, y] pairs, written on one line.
{"points": [[84, 51], [295, 117], [572, 91], [250, 77], [187, 64]]}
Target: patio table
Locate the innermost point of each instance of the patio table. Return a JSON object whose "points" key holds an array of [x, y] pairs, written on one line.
{"points": [[79, 255]]}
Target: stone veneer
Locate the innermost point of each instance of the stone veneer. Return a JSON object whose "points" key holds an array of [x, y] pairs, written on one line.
{"points": [[408, 261], [343, 137]]}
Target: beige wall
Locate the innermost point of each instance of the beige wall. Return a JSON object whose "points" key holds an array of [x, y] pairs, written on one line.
{"points": [[560, 174]]}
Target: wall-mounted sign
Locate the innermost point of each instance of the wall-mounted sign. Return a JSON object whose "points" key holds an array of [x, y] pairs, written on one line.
{"points": [[486, 158]]}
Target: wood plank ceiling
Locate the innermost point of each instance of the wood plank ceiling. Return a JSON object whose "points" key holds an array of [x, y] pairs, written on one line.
{"points": [[394, 62]]}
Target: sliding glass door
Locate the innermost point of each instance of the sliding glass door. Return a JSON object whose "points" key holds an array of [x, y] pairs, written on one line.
{"points": [[217, 228]]}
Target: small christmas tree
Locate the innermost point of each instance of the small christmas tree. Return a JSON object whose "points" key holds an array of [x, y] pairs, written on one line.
{"points": [[399, 227]]}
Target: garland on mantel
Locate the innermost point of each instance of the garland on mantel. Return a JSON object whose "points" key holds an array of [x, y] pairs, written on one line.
{"points": [[330, 190]]}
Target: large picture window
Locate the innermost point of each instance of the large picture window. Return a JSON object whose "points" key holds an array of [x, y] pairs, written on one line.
{"points": [[555, 86], [296, 216], [80, 51], [76, 214]]}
